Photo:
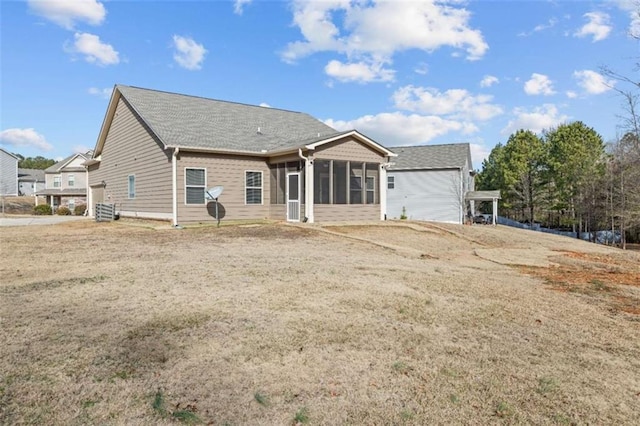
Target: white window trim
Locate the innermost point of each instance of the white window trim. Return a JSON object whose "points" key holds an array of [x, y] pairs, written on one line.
{"points": [[254, 187], [71, 180], [204, 202], [391, 180], [129, 186], [58, 180]]}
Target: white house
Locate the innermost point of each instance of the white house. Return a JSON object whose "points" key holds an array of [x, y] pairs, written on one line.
{"points": [[430, 183], [8, 173]]}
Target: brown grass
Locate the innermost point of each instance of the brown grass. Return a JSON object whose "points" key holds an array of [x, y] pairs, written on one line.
{"points": [[107, 323]]}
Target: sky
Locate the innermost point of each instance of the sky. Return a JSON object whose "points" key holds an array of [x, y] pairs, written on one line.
{"points": [[401, 72]]}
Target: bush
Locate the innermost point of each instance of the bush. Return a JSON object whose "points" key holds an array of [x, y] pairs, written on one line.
{"points": [[79, 210], [63, 211], [42, 209]]}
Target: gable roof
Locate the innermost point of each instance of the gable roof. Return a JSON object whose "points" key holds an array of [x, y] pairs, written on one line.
{"points": [[31, 175], [201, 124], [56, 168], [447, 156], [9, 154]]}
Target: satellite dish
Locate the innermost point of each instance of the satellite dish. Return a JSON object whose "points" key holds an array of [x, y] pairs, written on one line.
{"points": [[213, 193]]}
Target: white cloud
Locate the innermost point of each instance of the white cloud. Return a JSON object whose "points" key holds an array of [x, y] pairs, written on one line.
{"points": [[372, 32], [238, 6], [265, 105], [539, 84], [103, 93], [395, 129], [80, 149], [592, 82], [93, 49], [66, 13], [541, 27], [188, 54], [478, 154], [489, 80], [571, 94], [454, 103], [633, 8], [422, 69], [540, 118], [598, 26], [27, 138], [360, 72]]}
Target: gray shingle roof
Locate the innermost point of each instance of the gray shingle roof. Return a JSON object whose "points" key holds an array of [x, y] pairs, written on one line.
{"points": [[193, 122], [60, 164], [30, 175], [431, 156]]}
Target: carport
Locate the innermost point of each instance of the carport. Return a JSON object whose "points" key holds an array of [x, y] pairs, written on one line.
{"points": [[493, 196]]}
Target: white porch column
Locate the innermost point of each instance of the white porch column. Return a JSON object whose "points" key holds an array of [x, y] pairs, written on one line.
{"points": [[174, 187], [308, 189], [495, 211], [383, 191]]}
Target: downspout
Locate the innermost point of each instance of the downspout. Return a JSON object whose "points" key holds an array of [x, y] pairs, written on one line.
{"points": [[174, 174], [308, 187]]}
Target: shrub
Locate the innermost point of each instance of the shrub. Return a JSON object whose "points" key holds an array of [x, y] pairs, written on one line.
{"points": [[42, 209], [79, 209], [63, 211]]}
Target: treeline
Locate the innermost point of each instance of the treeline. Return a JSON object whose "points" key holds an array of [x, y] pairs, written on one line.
{"points": [[38, 162], [568, 178]]}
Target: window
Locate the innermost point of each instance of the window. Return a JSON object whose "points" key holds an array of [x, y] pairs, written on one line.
{"points": [[71, 204], [253, 187], [132, 186], [195, 182], [57, 181], [321, 177], [391, 182], [71, 181], [355, 183], [371, 190]]}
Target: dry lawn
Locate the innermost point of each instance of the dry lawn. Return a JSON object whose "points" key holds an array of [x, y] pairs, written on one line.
{"points": [[400, 323]]}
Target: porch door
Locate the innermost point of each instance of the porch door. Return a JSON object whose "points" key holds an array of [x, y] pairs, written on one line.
{"points": [[293, 197]]}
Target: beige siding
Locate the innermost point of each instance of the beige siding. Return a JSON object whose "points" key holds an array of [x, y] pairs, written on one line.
{"points": [[346, 212], [229, 172], [131, 149], [285, 159], [349, 150]]}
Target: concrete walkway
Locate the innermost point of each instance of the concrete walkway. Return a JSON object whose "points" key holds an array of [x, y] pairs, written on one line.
{"points": [[38, 220]]}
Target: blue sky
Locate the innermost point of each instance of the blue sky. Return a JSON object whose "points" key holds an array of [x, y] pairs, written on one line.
{"points": [[401, 72]]}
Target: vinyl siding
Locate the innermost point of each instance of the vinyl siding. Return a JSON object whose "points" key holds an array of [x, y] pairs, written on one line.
{"points": [[433, 195], [8, 174], [131, 149], [345, 212], [227, 171], [348, 149]]}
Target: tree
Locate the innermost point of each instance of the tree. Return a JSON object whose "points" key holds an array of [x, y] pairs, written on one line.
{"points": [[522, 171], [575, 157], [38, 162]]}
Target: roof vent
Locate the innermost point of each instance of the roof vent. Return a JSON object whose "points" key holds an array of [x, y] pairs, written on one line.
{"points": [[259, 131], [318, 134]]}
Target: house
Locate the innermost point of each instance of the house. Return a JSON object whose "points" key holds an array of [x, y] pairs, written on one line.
{"points": [[8, 173], [66, 182], [430, 182], [30, 181], [159, 153]]}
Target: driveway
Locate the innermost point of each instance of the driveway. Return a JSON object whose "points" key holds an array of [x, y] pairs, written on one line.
{"points": [[38, 220]]}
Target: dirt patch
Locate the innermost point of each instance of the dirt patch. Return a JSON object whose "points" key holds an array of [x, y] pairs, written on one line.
{"points": [[276, 324]]}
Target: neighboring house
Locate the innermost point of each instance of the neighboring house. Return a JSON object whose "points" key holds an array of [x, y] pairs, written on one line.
{"points": [[430, 183], [30, 181], [157, 154], [8, 173], [66, 182]]}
